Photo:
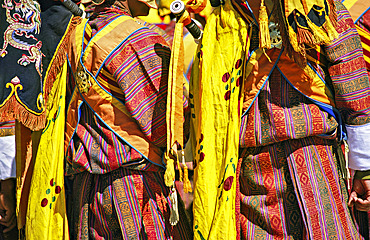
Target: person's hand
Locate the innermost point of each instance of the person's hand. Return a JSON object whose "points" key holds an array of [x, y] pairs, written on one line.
{"points": [[7, 205], [360, 195]]}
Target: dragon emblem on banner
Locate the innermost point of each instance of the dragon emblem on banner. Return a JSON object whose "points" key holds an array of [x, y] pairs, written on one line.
{"points": [[24, 22]]}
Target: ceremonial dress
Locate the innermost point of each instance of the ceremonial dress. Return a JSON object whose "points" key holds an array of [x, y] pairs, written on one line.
{"points": [[116, 130], [289, 179]]}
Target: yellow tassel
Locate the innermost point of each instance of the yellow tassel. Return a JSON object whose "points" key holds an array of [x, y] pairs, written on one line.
{"points": [[187, 184], [169, 175], [180, 171], [265, 41]]}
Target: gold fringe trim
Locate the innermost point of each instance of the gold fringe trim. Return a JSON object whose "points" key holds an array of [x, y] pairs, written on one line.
{"points": [[59, 57], [332, 14], [311, 73], [294, 43], [318, 33], [292, 48], [13, 109], [305, 36]]}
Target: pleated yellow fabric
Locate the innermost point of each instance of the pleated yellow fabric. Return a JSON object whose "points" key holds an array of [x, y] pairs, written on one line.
{"points": [[214, 98], [46, 214]]}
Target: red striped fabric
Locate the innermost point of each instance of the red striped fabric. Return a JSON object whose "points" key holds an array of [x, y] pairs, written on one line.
{"points": [[124, 204], [7, 128]]}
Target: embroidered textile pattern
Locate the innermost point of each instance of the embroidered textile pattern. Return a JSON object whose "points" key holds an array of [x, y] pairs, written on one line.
{"points": [[136, 206], [82, 80], [29, 59], [269, 177], [50, 194], [24, 21]]}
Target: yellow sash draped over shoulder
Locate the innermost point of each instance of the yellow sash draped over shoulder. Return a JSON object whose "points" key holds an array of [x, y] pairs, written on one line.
{"points": [[46, 214], [214, 98]]}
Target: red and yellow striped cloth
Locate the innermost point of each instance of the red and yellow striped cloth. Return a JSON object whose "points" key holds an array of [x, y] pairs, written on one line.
{"points": [[365, 40]]}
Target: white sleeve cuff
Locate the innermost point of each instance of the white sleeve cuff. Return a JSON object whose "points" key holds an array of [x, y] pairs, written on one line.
{"points": [[7, 157], [358, 138]]}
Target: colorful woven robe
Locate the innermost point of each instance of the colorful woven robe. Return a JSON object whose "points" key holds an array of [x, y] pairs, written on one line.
{"points": [[290, 186], [115, 131], [360, 12], [289, 174]]}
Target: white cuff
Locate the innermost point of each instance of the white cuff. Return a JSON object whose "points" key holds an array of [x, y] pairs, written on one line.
{"points": [[7, 157], [359, 146]]}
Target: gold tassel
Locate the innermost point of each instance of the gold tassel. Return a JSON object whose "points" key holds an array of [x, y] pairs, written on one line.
{"points": [[186, 182], [181, 176], [169, 175], [265, 41]]}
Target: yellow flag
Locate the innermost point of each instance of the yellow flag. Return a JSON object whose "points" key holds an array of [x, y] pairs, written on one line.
{"points": [[46, 214]]}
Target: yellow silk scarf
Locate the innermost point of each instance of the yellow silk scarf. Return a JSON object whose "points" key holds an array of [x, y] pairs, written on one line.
{"points": [[46, 214], [214, 98]]}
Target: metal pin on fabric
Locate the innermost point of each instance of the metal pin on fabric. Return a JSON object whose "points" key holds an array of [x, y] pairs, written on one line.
{"points": [[177, 7]]}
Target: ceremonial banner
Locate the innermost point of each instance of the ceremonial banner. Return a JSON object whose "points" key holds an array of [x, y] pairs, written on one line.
{"points": [[46, 207], [32, 59], [21, 85], [28, 41]]}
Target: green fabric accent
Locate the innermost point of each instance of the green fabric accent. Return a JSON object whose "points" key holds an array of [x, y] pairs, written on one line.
{"points": [[363, 175]]}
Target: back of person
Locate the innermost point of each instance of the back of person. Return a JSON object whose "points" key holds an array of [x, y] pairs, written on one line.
{"points": [[116, 128]]}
